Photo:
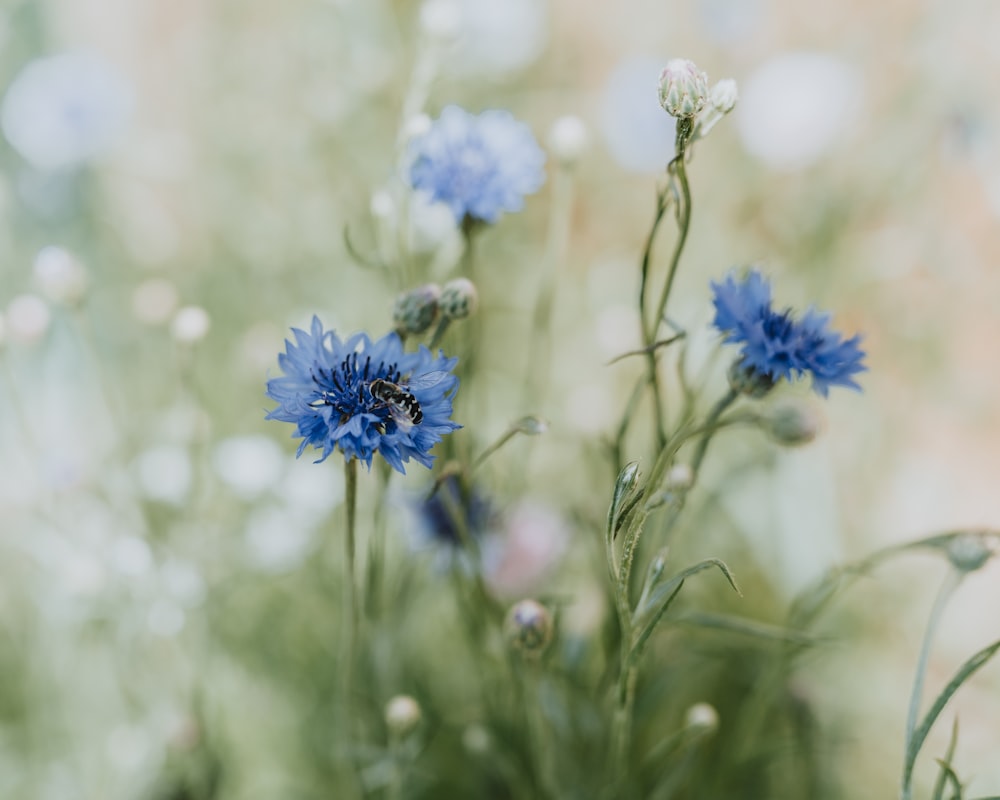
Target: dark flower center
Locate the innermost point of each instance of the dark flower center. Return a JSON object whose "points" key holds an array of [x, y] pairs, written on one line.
{"points": [[346, 387]]}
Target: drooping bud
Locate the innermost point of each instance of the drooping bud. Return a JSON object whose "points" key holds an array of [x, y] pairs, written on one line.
{"points": [[702, 717], [744, 379], [793, 423], [968, 552], [683, 88], [528, 628], [724, 95], [416, 310], [459, 299], [568, 139], [402, 715]]}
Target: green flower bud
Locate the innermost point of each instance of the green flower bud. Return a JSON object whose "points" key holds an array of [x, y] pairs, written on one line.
{"points": [[528, 628], [793, 423], [968, 552], [683, 88], [459, 299], [416, 310], [746, 380]]}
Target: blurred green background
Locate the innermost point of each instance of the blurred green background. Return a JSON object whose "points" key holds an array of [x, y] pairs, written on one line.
{"points": [[174, 195]]}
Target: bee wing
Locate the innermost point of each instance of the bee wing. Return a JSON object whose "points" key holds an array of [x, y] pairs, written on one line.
{"points": [[425, 381], [400, 417]]}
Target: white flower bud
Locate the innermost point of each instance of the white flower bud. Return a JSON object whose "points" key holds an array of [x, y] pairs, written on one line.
{"points": [[382, 205], [459, 299], [568, 139], [28, 318], [60, 276], [190, 324], [724, 95], [683, 88], [703, 717], [679, 478], [528, 628], [402, 715]]}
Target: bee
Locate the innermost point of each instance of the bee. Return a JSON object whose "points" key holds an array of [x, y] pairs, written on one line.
{"points": [[403, 407]]}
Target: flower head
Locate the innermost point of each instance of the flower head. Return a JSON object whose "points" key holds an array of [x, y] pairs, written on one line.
{"points": [[776, 345], [363, 397], [480, 166], [683, 88]]}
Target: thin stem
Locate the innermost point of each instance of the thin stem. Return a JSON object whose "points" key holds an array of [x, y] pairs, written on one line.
{"points": [[350, 585], [951, 582], [711, 427]]}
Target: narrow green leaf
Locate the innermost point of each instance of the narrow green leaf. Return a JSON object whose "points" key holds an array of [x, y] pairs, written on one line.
{"points": [[747, 627], [950, 776], [966, 671], [656, 596], [946, 762], [624, 489]]}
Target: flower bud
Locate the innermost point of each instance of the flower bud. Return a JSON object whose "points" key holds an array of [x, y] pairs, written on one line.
{"points": [[702, 717], [724, 95], [793, 423], [744, 379], [679, 478], [402, 715], [459, 299], [968, 552], [528, 628], [568, 139], [416, 310], [683, 88]]}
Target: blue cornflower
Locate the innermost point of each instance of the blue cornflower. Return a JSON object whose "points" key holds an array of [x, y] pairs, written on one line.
{"points": [[776, 345], [327, 391], [480, 165], [454, 512]]}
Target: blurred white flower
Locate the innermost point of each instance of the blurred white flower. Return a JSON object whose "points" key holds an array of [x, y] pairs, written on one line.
{"points": [[796, 106], [441, 20], [501, 36], [568, 139], [131, 556], [277, 540], [154, 301], [190, 324], [311, 491], [64, 110], [164, 473], [28, 318], [60, 276], [249, 464], [183, 582], [165, 618], [533, 540], [639, 135]]}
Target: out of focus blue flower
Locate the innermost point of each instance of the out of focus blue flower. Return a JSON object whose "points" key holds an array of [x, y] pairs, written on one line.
{"points": [[480, 166], [776, 345], [327, 392], [64, 110], [454, 512]]}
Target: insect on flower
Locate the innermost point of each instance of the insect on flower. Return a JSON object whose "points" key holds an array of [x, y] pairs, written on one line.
{"points": [[403, 406]]}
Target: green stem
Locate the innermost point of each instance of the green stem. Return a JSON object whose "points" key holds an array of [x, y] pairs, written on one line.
{"points": [[951, 582], [622, 725], [711, 426], [350, 585]]}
